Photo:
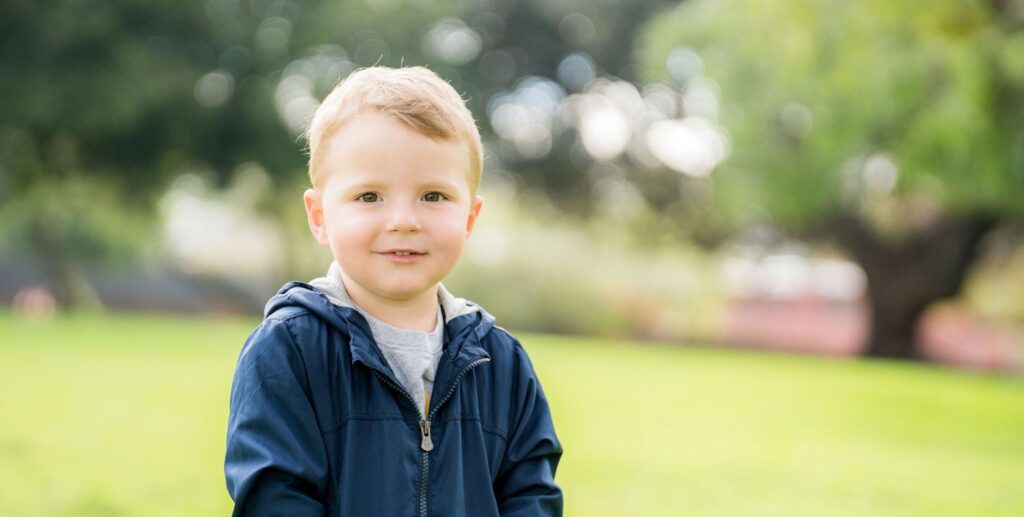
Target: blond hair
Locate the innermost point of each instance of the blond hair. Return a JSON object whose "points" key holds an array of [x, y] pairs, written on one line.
{"points": [[414, 95]]}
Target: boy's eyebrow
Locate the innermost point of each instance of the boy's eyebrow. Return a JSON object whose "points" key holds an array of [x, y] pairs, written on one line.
{"points": [[371, 184], [380, 185], [439, 184]]}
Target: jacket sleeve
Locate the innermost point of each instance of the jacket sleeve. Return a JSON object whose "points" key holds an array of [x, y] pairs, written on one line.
{"points": [[276, 460], [525, 485]]}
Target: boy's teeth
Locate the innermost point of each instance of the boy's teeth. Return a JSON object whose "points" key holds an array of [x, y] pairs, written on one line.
{"points": [[402, 253]]}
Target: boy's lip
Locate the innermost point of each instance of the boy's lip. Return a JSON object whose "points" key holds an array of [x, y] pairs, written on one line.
{"points": [[403, 255], [403, 251]]}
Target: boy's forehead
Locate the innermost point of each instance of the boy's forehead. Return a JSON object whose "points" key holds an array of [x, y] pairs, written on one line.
{"points": [[390, 136], [386, 179], [375, 146], [369, 125]]}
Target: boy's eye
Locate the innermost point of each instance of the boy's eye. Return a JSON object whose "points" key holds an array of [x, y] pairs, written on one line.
{"points": [[368, 197], [433, 197]]}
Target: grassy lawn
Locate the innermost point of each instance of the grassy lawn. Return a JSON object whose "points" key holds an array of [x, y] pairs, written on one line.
{"points": [[125, 415]]}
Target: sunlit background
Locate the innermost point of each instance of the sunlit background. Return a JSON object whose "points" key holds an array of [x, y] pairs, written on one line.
{"points": [[768, 256]]}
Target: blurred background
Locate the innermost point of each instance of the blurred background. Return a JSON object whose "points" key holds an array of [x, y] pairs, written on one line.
{"points": [[674, 191]]}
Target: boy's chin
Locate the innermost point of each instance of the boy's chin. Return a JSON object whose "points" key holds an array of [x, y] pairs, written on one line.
{"points": [[407, 294]]}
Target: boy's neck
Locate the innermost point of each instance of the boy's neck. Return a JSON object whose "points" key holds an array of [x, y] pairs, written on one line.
{"points": [[419, 313]]}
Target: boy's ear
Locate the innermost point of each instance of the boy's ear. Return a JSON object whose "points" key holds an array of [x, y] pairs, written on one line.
{"points": [[474, 212], [315, 215]]}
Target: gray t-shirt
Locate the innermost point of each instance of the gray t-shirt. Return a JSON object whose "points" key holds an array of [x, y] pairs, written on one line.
{"points": [[413, 355]]}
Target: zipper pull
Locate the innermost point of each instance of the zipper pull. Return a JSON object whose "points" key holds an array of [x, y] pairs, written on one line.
{"points": [[427, 444]]}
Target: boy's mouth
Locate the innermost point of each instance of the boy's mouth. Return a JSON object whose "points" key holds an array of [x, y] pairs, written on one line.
{"points": [[403, 255]]}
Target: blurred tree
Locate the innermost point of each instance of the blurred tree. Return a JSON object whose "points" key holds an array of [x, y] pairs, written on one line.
{"points": [[896, 128], [537, 41], [103, 103]]}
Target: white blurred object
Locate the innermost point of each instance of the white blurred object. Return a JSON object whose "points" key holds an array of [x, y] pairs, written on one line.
{"points": [[207, 233], [794, 276], [452, 41], [692, 146]]}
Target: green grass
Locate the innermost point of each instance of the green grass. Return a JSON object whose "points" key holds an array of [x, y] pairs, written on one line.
{"points": [[125, 415]]}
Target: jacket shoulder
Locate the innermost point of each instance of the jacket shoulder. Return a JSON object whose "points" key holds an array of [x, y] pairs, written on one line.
{"points": [[284, 314], [299, 321], [285, 332], [498, 337], [504, 348]]}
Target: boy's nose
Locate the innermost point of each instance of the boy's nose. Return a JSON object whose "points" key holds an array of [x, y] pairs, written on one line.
{"points": [[403, 219]]}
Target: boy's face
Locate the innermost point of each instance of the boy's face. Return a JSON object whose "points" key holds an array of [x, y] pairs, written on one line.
{"points": [[394, 207]]}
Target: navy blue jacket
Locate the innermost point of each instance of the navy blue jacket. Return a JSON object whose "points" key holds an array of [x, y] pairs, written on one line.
{"points": [[319, 425]]}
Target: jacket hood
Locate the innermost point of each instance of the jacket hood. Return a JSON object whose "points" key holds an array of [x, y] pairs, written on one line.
{"points": [[326, 298], [334, 288]]}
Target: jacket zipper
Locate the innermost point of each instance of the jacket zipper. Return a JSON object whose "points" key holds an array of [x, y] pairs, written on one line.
{"points": [[426, 443], [425, 432]]}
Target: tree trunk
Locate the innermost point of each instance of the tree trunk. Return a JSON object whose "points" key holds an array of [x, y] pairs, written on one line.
{"points": [[71, 289], [907, 276]]}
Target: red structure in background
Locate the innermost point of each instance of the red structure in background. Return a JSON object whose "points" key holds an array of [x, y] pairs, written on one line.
{"points": [[814, 324], [809, 324], [796, 303], [956, 336]]}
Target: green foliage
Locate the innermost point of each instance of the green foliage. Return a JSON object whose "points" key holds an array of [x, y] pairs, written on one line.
{"points": [[811, 91], [81, 218], [126, 415], [996, 288]]}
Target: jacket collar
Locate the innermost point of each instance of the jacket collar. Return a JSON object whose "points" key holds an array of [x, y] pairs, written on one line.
{"points": [[463, 331], [333, 285]]}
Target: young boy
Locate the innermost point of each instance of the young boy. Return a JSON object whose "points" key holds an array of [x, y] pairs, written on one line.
{"points": [[373, 391]]}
